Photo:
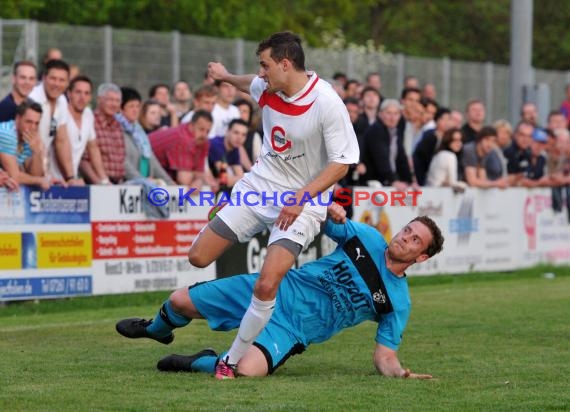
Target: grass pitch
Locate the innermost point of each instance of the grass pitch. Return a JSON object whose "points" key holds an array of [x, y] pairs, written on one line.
{"points": [[493, 342]]}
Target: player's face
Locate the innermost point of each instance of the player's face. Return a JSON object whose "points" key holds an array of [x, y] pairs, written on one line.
{"points": [[28, 122], [24, 80], [237, 135], [201, 129], [271, 71], [410, 244], [80, 96], [55, 83]]}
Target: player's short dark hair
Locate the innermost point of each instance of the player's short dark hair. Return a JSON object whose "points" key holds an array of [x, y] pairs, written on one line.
{"points": [[284, 45], [21, 63], [237, 121], [80, 78], [487, 131], [56, 64], [28, 104], [437, 239], [155, 87], [202, 114], [128, 94]]}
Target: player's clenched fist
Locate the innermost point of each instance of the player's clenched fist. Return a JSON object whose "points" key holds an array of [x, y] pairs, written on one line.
{"points": [[217, 71]]}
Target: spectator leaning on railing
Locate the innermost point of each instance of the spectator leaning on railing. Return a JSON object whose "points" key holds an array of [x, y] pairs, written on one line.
{"points": [[474, 160], [24, 77], [21, 148]]}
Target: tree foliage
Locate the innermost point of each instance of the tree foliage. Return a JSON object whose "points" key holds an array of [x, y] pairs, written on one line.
{"points": [[466, 30]]}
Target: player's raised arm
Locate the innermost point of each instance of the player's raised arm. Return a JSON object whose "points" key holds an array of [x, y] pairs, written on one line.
{"points": [[387, 363], [219, 72]]}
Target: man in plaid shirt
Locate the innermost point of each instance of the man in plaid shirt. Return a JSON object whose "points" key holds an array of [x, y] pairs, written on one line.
{"points": [[109, 137], [182, 150]]}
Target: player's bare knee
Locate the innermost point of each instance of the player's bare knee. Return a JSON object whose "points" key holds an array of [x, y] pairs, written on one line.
{"points": [[179, 300], [265, 289]]}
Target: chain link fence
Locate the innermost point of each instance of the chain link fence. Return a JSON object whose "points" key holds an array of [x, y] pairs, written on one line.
{"points": [[143, 58]]}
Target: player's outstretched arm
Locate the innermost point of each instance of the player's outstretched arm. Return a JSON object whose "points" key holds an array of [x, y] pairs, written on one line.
{"points": [[387, 363], [219, 72]]}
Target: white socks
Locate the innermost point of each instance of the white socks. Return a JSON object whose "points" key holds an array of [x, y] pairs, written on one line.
{"points": [[256, 317]]}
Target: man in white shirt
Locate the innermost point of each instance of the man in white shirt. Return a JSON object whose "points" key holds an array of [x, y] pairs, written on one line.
{"points": [[52, 130], [81, 127], [308, 145], [224, 111]]}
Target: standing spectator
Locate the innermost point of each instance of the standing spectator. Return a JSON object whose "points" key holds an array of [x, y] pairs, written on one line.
{"points": [[81, 127], [182, 98], [412, 82], [429, 91], [565, 106], [475, 114], [474, 160], [504, 133], [140, 161], [224, 155], [251, 149], [446, 168], [110, 140], [204, 99], [518, 153], [351, 88], [224, 110], [338, 81], [24, 77], [411, 120], [53, 131], [53, 53], [430, 109], [161, 93], [536, 175], [529, 113], [556, 120], [370, 106], [457, 119], [150, 116], [384, 155], [426, 148], [182, 150], [374, 80], [21, 149]]}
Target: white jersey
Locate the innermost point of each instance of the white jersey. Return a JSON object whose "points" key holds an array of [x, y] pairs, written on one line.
{"points": [[302, 133], [48, 123], [78, 138], [222, 118]]}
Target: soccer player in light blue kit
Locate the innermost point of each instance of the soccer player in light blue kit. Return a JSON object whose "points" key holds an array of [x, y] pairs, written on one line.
{"points": [[363, 279]]}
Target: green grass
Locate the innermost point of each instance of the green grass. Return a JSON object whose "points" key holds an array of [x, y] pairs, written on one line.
{"points": [[493, 341]]}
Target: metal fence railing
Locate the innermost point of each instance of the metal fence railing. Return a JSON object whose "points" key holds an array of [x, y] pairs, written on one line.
{"points": [[143, 58]]}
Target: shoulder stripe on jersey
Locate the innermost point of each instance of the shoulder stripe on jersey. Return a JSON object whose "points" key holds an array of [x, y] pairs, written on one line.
{"points": [[277, 104], [309, 89]]}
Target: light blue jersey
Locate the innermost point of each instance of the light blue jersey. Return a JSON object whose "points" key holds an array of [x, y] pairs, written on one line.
{"points": [[316, 301]]}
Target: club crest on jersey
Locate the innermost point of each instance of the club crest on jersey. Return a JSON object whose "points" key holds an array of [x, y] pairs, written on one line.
{"points": [[279, 142]]}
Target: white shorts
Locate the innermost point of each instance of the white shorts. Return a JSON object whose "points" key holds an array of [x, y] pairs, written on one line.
{"points": [[246, 220]]}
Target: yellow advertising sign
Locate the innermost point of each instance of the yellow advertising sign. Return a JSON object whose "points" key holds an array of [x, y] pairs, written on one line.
{"points": [[10, 251], [64, 249]]}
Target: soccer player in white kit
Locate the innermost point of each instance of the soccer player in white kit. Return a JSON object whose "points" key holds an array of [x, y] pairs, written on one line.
{"points": [[308, 145]]}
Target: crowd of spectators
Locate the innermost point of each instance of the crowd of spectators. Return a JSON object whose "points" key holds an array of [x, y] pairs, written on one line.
{"points": [[50, 135]]}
